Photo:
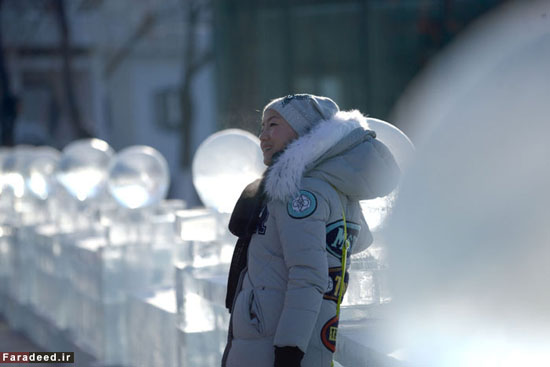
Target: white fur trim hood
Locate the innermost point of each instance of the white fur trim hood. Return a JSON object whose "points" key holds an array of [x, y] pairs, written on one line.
{"points": [[284, 177]]}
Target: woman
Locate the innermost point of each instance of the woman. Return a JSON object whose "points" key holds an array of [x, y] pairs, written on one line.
{"points": [[286, 269]]}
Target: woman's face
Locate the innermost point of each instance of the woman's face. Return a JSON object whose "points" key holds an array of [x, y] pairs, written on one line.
{"points": [[275, 136]]}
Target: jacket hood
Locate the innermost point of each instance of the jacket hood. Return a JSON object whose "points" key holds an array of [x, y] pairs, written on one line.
{"points": [[343, 152]]}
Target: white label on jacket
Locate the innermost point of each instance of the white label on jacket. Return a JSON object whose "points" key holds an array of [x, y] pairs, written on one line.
{"points": [[335, 236], [303, 205]]}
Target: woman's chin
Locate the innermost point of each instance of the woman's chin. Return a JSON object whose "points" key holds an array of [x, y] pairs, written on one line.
{"points": [[268, 158]]}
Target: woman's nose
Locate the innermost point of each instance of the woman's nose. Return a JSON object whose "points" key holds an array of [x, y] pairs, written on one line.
{"points": [[263, 135]]}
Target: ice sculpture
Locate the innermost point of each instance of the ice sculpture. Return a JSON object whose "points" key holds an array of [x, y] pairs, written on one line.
{"points": [[396, 140], [368, 269], [14, 167], [469, 232], [376, 210], [223, 165], [4, 152], [83, 168], [40, 178], [138, 177]]}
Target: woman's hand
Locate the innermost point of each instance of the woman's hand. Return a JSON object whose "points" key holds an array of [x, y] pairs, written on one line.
{"points": [[288, 356]]}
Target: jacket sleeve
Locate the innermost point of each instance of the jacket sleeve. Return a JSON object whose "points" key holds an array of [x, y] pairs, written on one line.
{"points": [[302, 232]]}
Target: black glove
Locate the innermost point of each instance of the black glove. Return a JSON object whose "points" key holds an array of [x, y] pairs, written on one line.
{"points": [[288, 356]]}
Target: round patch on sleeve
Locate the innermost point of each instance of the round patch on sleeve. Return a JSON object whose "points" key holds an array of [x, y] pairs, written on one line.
{"points": [[303, 205]]}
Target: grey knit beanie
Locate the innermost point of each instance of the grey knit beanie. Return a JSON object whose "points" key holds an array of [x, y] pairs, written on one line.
{"points": [[303, 111]]}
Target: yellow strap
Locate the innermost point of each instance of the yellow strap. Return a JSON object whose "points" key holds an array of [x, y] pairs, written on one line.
{"points": [[344, 263]]}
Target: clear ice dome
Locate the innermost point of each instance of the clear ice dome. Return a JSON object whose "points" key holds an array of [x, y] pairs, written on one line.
{"points": [[40, 178], [377, 210], [223, 165], [13, 170], [138, 177], [83, 168]]}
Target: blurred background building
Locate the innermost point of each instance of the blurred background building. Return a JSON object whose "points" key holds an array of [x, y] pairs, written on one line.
{"points": [[169, 73]]}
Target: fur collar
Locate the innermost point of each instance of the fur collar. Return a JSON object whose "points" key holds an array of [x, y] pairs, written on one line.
{"points": [[284, 176]]}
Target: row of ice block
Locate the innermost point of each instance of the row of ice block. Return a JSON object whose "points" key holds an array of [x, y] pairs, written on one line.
{"points": [[77, 284], [151, 328], [74, 282], [107, 298], [202, 317], [69, 286]]}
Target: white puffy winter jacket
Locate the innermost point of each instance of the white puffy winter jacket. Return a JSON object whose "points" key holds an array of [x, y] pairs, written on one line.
{"points": [[287, 294]]}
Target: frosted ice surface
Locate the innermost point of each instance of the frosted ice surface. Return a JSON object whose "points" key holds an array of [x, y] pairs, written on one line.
{"points": [[138, 177], [131, 195], [396, 140], [41, 172], [14, 170], [401, 147], [377, 210], [196, 224], [203, 318], [151, 330], [223, 165], [469, 233], [83, 183], [164, 299], [83, 168]]}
